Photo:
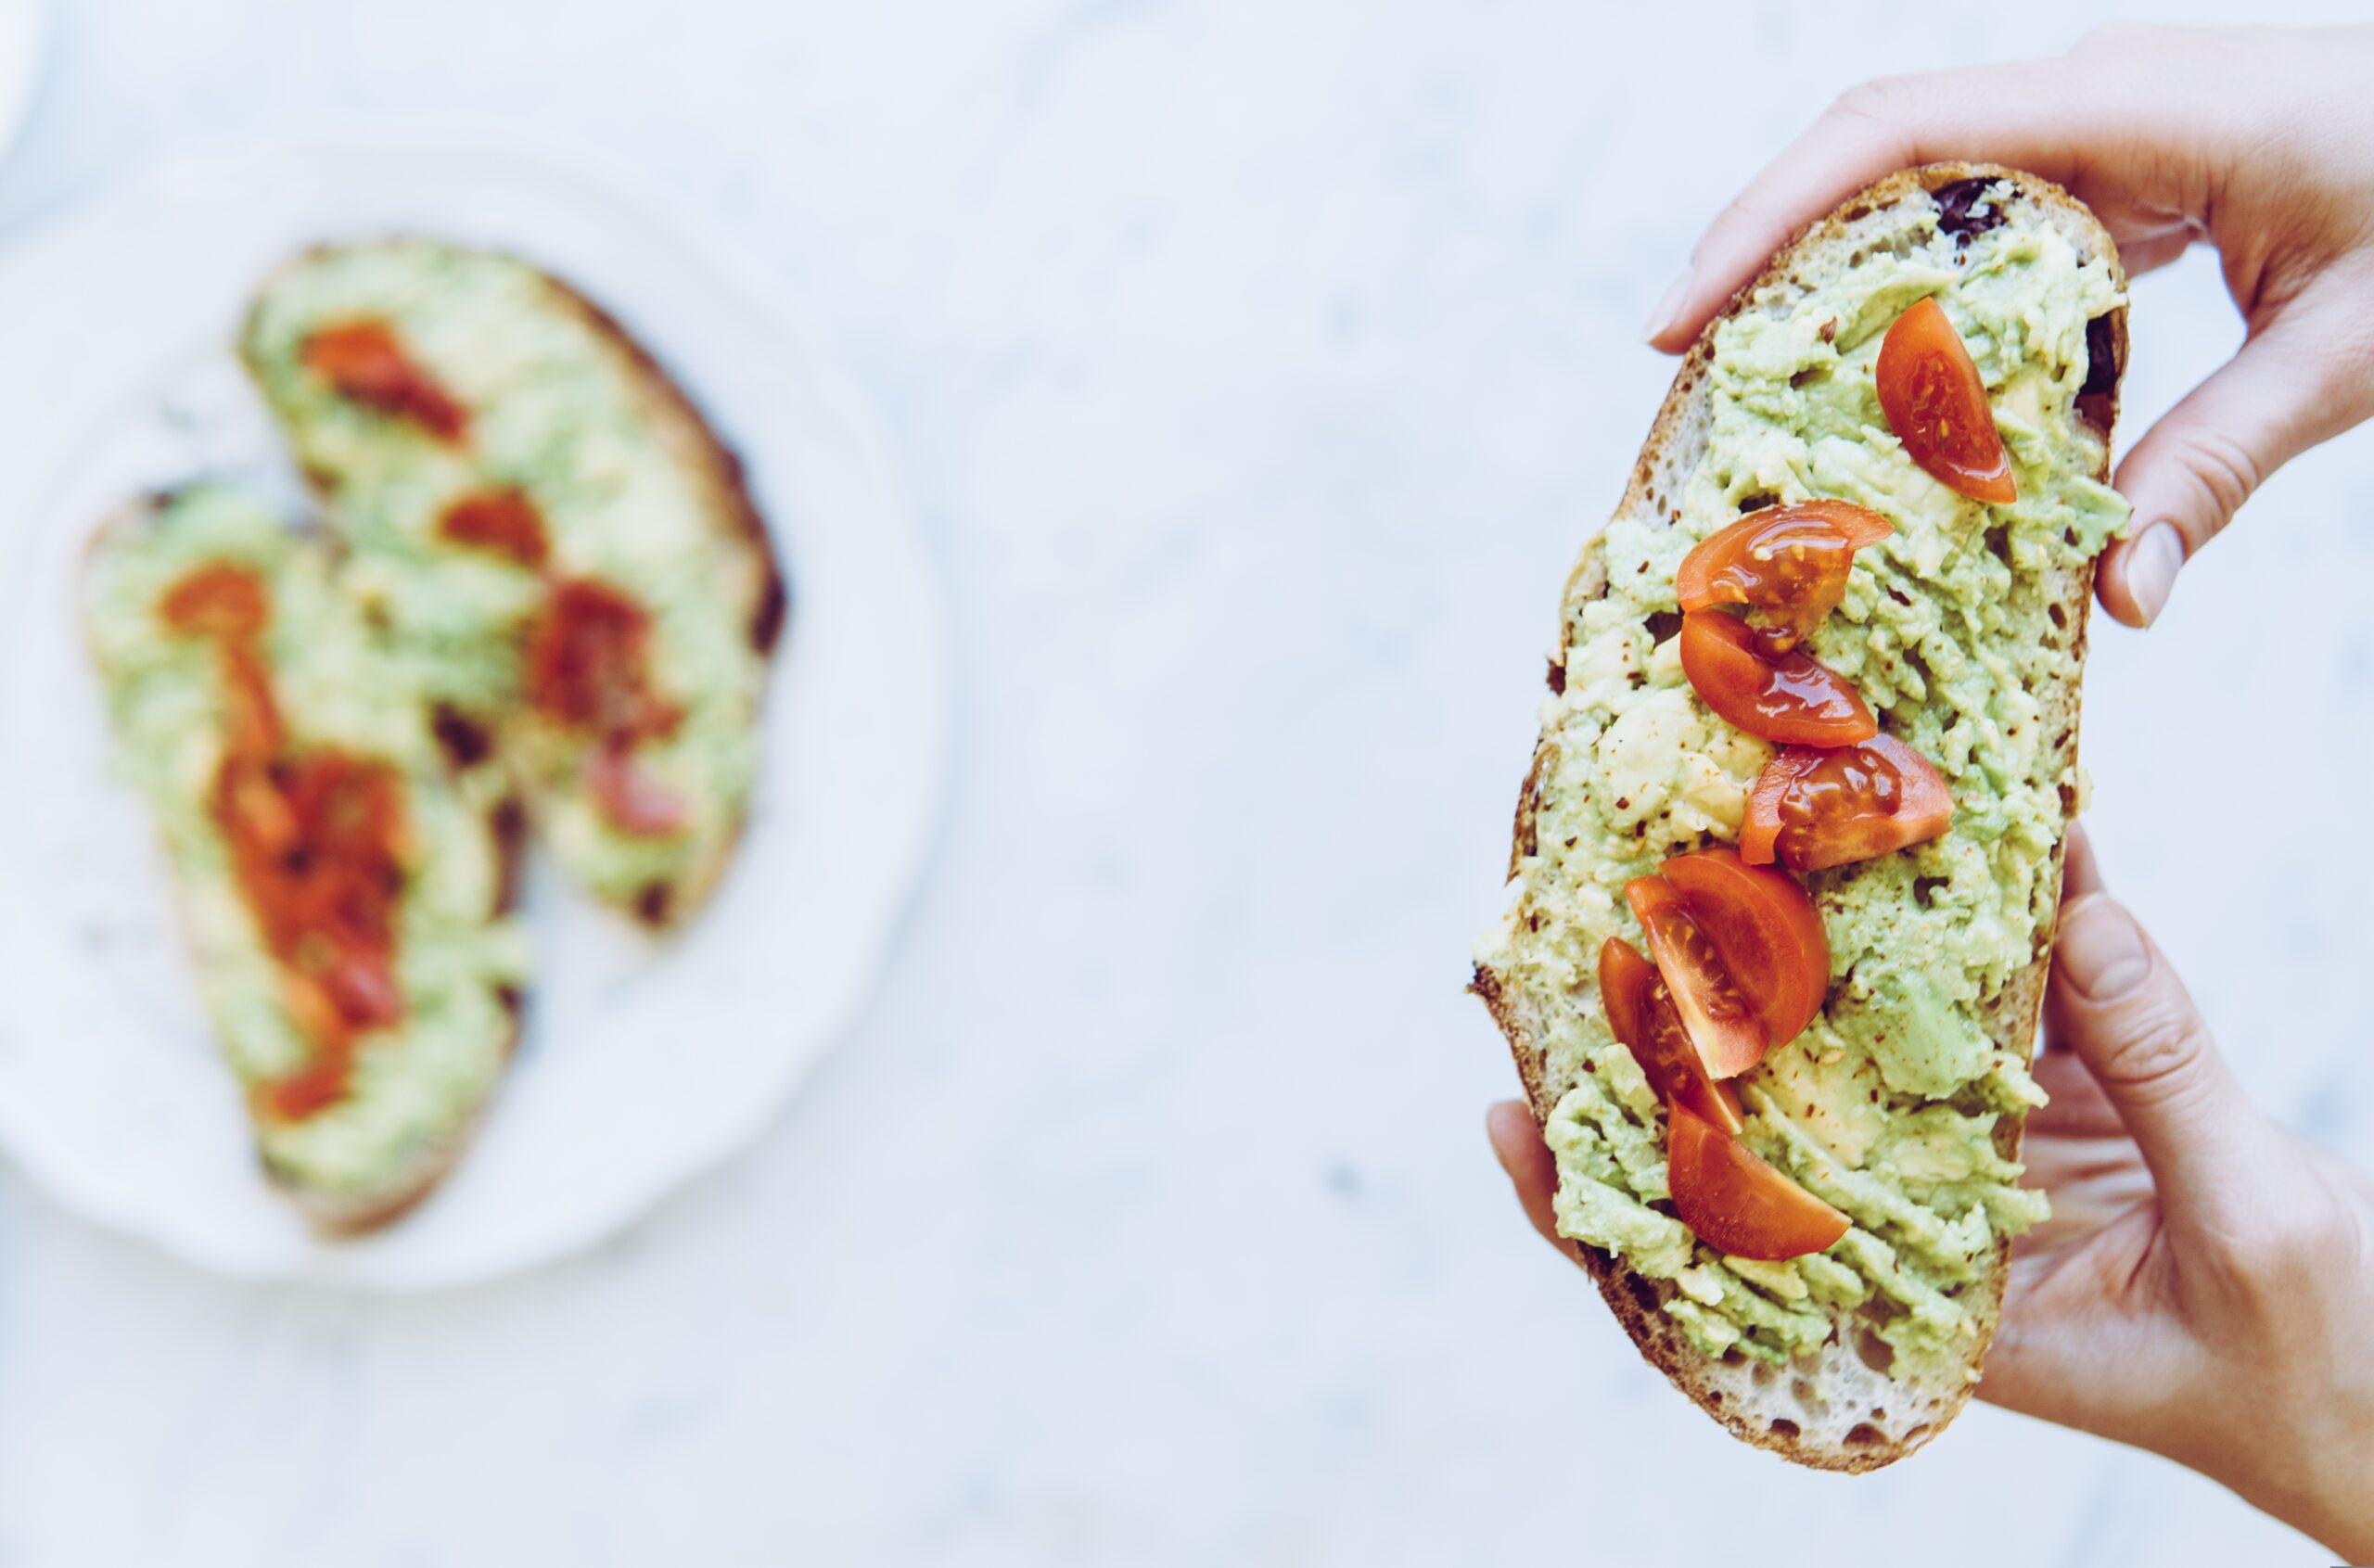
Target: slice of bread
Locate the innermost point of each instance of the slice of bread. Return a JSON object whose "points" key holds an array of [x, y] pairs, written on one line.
{"points": [[1835, 1406], [192, 731], [640, 545]]}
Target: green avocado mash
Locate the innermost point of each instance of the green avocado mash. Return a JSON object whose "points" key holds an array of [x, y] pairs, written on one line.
{"points": [[1887, 1105]]}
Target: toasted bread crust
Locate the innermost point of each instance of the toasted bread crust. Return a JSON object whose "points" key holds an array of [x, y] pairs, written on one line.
{"points": [[1675, 440], [706, 452]]}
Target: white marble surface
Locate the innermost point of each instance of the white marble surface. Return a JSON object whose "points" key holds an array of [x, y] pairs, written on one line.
{"points": [[1258, 366]]}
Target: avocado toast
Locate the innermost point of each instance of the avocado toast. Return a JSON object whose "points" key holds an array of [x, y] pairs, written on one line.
{"points": [[1898, 1107], [548, 526], [344, 885]]}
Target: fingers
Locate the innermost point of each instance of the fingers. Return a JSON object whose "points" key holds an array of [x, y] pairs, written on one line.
{"points": [[2082, 120], [2117, 1005], [2080, 873], [1533, 1171], [2299, 380]]}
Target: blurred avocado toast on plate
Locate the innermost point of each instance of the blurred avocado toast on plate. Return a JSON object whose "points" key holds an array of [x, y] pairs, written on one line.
{"points": [[1788, 859], [345, 888], [538, 594], [540, 513]]}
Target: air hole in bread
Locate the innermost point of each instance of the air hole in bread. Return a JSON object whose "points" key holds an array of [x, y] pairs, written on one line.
{"points": [[2058, 616], [1872, 1351], [1967, 208], [767, 616], [1809, 1398], [1783, 1427], [2098, 399], [1863, 1435]]}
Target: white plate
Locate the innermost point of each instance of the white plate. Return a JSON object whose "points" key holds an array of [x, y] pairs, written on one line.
{"points": [[642, 1065], [24, 46]]}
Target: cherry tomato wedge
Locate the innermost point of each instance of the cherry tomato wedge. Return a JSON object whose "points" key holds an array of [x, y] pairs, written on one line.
{"points": [[220, 600], [1792, 698], [1814, 808], [1721, 1023], [1789, 564], [632, 798], [1766, 931], [1736, 1202], [1641, 1010], [504, 522], [367, 362], [1936, 405]]}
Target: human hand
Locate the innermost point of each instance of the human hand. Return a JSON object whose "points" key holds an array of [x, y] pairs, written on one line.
{"points": [[2203, 1287], [2260, 142]]}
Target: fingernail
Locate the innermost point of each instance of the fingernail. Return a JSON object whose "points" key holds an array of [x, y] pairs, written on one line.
{"points": [[2152, 562], [1667, 306], [2101, 951]]}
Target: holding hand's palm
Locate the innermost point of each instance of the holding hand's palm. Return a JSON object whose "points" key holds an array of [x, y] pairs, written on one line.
{"points": [[2205, 1283]]}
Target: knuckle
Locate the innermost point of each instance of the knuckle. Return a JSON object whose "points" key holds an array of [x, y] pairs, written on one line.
{"points": [[2223, 473], [2163, 1053]]}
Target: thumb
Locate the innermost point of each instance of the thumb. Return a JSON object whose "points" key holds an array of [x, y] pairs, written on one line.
{"points": [[2290, 386], [2118, 1006]]}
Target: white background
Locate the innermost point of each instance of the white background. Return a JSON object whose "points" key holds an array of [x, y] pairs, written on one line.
{"points": [[1257, 367]]}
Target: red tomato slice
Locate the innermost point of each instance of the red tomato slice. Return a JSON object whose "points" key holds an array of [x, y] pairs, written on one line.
{"points": [[1734, 1202], [1720, 1022], [1766, 933], [365, 361], [1641, 1010], [1936, 405], [1788, 563], [220, 600], [1816, 809], [1792, 698], [502, 521], [630, 798]]}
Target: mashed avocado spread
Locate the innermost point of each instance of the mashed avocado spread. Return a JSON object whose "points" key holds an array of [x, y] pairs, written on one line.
{"points": [[1887, 1105]]}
